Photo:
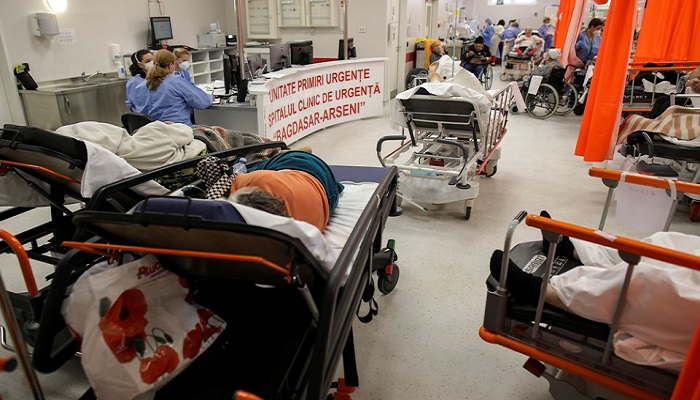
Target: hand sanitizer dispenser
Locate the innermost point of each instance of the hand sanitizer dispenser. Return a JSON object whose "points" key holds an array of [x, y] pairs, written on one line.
{"points": [[44, 24]]}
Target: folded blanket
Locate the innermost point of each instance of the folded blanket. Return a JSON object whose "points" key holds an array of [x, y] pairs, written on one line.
{"points": [[151, 147], [679, 122]]}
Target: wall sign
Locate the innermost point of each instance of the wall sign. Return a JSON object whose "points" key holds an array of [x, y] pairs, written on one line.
{"points": [[313, 99]]}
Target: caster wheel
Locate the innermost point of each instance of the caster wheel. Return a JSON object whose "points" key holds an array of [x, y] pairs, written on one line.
{"points": [[468, 213], [491, 171], [695, 211], [387, 283]]}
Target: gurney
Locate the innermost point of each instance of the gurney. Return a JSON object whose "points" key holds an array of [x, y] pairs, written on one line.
{"points": [[675, 189], [293, 313], [451, 142], [573, 353], [42, 169]]}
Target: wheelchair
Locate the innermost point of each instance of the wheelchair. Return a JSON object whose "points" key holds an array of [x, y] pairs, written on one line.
{"points": [[554, 96], [416, 77]]}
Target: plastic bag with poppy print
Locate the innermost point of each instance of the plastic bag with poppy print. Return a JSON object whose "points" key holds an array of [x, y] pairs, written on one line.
{"points": [[138, 328]]}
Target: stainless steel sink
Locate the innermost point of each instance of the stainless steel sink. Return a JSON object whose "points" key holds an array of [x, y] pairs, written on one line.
{"points": [[78, 84], [68, 101]]}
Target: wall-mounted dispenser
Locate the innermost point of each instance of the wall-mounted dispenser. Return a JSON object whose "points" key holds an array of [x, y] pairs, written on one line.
{"points": [[44, 24]]}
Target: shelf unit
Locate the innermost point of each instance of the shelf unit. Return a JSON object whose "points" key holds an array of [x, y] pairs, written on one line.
{"points": [[207, 65]]}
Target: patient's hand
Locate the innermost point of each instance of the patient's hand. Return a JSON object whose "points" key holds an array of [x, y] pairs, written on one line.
{"points": [[694, 84]]}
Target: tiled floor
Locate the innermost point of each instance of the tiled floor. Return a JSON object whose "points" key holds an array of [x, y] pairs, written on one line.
{"points": [[424, 343]]}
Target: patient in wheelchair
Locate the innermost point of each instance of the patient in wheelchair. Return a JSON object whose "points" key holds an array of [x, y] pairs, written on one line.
{"points": [[663, 302], [549, 62], [296, 184], [476, 57]]}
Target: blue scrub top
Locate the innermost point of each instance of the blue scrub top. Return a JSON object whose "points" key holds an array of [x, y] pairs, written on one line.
{"points": [[510, 33], [548, 40], [587, 49], [174, 100], [488, 35], [184, 74], [133, 100]]}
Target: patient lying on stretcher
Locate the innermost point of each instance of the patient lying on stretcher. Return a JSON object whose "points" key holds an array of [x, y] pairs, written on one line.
{"points": [[296, 184], [663, 302]]}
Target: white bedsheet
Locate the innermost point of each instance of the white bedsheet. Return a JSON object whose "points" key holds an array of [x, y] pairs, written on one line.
{"points": [[326, 246]]}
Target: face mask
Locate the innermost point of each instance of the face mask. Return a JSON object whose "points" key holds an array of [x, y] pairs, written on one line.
{"points": [[597, 33], [148, 65], [184, 65]]}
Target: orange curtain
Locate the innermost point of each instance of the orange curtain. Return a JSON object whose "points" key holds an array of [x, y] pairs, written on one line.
{"points": [[568, 53], [566, 10], [669, 32], [603, 105]]}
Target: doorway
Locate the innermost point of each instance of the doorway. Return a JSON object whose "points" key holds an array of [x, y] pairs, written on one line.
{"points": [[394, 48], [429, 24]]}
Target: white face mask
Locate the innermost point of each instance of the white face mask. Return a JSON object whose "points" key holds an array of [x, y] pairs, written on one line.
{"points": [[597, 33], [184, 65], [148, 65]]}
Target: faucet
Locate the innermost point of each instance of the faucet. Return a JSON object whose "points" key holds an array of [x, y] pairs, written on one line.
{"points": [[86, 78]]}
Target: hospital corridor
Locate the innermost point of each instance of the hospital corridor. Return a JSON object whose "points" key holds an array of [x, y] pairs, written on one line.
{"points": [[349, 199], [424, 343]]}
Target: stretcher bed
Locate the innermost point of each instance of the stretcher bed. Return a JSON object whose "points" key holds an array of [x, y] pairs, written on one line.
{"points": [[289, 311], [451, 142], [573, 353], [675, 189]]}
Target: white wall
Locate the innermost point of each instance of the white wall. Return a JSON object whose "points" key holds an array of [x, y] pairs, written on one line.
{"points": [[97, 24]]}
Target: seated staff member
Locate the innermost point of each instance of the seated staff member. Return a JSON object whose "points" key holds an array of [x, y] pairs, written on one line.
{"points": [[168, 97], [296, 184], [182, 62], [141, 62], [476, 57]]}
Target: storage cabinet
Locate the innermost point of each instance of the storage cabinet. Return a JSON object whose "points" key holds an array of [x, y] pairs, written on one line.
{"points": [[261, 20], [307, 13], [207, 65]]}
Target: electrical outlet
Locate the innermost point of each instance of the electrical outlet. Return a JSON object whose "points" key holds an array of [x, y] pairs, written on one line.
{"points": [[362, 29]]}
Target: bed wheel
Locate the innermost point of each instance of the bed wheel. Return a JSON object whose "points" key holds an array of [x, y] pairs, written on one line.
{"points": [[503, 77], [695, 211], [387, 283]]}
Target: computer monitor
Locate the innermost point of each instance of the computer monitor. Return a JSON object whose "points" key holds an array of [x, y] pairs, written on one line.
{"points": [[228, 75], [351, 49], [302, 52], [256, 65], [279, 57], [161, 29]]}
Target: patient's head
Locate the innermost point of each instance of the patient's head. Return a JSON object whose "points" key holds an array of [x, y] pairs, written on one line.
{"points": [[528, 31], [255, 197]]}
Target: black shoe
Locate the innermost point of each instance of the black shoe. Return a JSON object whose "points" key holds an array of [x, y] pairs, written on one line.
{"points": [[565, 247], [524, 287]]}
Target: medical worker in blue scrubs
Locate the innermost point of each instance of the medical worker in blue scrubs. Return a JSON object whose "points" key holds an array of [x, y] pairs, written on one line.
{"points": [[182, 62], [169, 97], [141, 62], [588, 41]]}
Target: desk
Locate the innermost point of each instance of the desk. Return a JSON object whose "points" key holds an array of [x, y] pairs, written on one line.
{"points": [[296, 102]]}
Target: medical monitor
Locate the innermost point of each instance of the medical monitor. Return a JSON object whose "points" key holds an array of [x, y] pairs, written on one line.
{"points": [[351, 49], [301, 52], [160, 29], [279, 57]]}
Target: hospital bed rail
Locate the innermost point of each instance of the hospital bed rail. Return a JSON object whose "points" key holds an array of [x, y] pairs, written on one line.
{"points": [[574, 352], [640, 101], [336, 294], [675, 189], [453, 126]]}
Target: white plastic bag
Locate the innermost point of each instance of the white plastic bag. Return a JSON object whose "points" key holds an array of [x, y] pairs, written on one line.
{"points": [[138, 329]]}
